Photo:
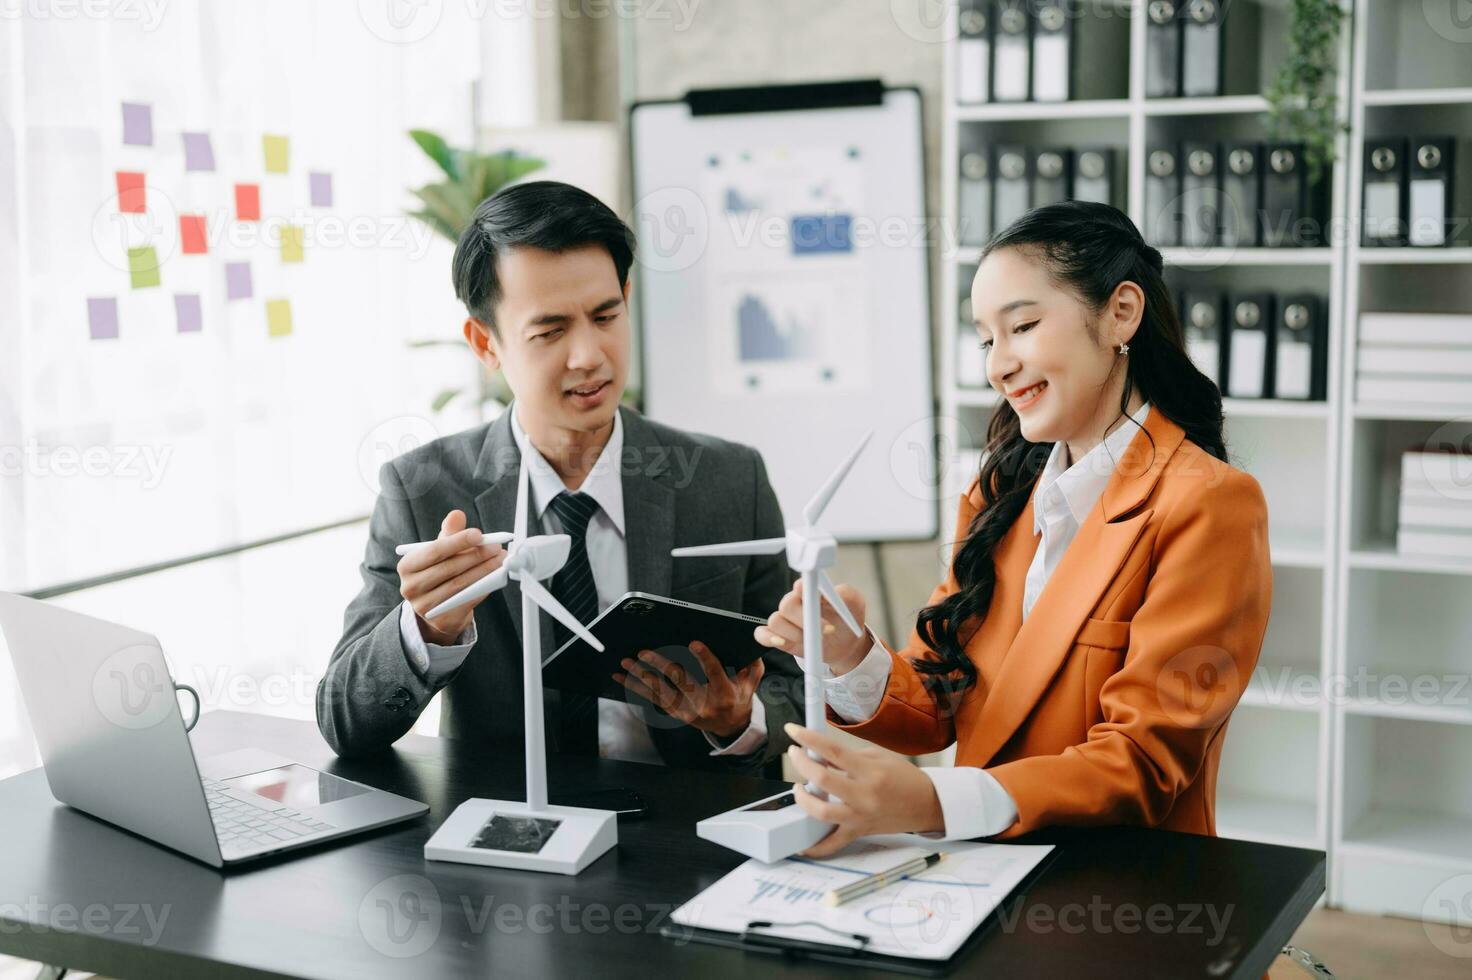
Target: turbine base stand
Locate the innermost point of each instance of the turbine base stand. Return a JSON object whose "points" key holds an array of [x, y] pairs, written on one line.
{"points": [[767, 830], [510, 834]]}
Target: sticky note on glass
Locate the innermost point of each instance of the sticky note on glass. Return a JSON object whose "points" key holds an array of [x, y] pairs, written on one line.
{"points": [[199, 153], [187, 311], [143, 267], [320, 186], [137, 124], [278, 317], [237, 280], [102, 317], [291, 243], [132, 198], [192, 235], [277, 150], [247, 202]]}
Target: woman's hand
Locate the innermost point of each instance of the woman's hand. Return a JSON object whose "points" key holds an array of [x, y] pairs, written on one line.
{"points": [[842, 651], [877, 792]]}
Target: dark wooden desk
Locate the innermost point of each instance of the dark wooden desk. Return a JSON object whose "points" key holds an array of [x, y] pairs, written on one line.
{"points": [[76, 892]]}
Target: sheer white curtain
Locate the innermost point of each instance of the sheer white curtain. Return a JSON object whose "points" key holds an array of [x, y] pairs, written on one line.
{"points": [[142, 421]]}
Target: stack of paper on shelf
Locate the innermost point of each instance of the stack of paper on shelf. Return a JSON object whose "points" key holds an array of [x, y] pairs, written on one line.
{"points": [[1418, 358], [1435, 503]]}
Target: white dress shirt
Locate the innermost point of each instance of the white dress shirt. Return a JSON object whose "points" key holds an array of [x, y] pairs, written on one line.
{"points": [[973, 802], [622, 733]]}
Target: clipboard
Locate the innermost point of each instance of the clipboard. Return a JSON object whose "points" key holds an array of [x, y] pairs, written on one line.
{"points": [[848, 946]]}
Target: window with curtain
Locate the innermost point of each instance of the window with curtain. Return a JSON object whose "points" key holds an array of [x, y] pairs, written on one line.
{"points": [[209, 286]]}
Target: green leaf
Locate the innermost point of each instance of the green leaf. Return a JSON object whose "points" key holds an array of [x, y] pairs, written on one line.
{"points": [[444, 398], [438, 150], [449, 203], [438, 224]]}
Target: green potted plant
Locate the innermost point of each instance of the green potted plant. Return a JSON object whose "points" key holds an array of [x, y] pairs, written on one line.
{"points": [[1302, 104], [446, 206]]}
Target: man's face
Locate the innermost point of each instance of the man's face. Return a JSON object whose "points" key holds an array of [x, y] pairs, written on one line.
{"points": [[563, 344]]}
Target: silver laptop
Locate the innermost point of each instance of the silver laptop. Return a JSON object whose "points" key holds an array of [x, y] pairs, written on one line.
{"points": [[107, 720]]}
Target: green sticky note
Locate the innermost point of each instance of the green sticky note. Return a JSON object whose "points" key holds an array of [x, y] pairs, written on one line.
{"points": [[278, 317], [278, 150], [291, 243], [143, 267]]}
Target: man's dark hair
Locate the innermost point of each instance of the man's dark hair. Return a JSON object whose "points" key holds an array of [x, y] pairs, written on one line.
{"points": [[545, 214]]}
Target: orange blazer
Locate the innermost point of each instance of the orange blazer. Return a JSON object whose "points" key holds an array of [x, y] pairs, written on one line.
{"points": [[1110, 703]]}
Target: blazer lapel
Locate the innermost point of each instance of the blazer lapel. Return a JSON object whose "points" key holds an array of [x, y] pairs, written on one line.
{"points": [[1037, 649], [649, 509], [500, 465]]}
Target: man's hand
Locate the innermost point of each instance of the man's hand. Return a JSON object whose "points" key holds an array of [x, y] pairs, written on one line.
{"points": [[430, 575], [720, 706], [871, 791]]}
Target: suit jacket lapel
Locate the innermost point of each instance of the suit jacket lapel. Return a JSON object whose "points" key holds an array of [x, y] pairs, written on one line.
{"points": [[1035, 651], [499, 465], [649, 508]]}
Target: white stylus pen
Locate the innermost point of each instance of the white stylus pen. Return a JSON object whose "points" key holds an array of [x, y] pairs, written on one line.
{"points": [[499, 537]]}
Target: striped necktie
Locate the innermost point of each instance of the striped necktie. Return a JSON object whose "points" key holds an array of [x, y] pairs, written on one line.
{"points": [[574, 588]]}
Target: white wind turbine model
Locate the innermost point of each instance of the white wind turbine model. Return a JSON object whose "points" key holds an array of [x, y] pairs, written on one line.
{"points": [[531, 835], [776, 827]]}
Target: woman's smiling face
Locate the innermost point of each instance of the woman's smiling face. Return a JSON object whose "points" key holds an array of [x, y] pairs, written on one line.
{"points": [[1045, 352]]}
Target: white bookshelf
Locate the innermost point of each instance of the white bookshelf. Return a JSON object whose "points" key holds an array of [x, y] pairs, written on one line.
{"points": [[1274, 783], [1401, 800], [1333, 746]]}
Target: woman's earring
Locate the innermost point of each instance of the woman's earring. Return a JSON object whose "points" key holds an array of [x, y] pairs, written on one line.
{"points": [[1124, 348]]}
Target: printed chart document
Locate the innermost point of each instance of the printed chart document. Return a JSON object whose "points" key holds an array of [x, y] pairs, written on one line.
{"points": [[927, 917]]}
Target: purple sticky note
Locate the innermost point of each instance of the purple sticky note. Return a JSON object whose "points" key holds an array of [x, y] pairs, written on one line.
{"points": [[199, 153], [102, 317], [321, 189], [237, 280], [187, 311], [137, 124]]}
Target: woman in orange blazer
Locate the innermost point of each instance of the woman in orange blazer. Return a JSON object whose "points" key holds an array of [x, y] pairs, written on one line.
{"points": [[1110, 585]]}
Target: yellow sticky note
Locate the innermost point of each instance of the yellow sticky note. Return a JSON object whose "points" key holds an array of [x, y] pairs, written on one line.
{"points": [[278, 150], [143, 267], [278, 317], [291, 243]]}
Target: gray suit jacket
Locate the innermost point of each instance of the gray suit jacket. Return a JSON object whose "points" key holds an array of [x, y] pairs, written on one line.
{"points": [[679, 489]]}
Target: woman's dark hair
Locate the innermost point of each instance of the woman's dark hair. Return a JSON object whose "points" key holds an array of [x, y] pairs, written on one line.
{"points": [[1087, 249], [545, 214]]}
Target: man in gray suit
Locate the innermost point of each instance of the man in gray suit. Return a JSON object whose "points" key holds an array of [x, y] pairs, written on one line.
{"points": [[543, 270]]}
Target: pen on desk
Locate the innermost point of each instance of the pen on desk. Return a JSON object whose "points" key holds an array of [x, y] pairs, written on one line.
{"points": [[866, 885], [499, 537]]}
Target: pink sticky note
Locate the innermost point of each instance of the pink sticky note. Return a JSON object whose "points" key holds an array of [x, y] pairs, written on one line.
{"points": [[132, 198], [192, 234], [247, 202]]}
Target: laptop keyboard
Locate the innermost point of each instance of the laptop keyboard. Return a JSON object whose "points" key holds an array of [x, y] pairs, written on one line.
{"points": [[242, 827]]}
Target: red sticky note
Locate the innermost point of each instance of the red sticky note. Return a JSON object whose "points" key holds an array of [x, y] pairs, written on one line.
{"points": [[192, 234], [131, 196], [247, 202]]}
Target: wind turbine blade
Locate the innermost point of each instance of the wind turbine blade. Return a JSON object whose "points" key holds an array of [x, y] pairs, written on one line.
{"points": [[498, 537], [531, 587], [522, 497], [830, 592], [766, 546], [471, 592], [819, 503]]}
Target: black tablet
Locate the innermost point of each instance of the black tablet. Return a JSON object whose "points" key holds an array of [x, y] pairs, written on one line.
{"points": [[640, 621]]}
